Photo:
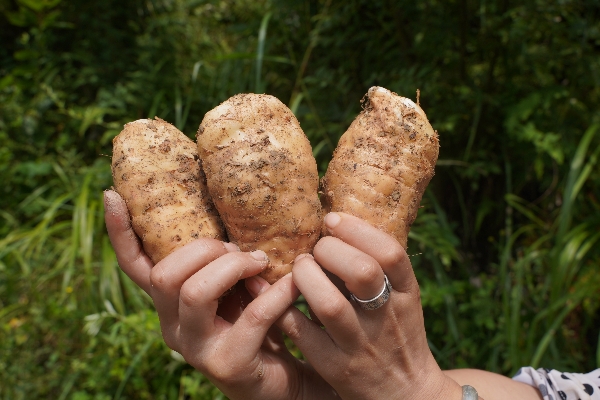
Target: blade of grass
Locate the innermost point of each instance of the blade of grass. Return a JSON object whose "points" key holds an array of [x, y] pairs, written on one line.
{"points": [[33, 196], [598, 352], [515, 327], [152, 112], [260, 51], [68, 386], [109, 282], [507, 247], [296, 103], [62, 175], [312, 43], [463, 208], [136, 360], [549, 335], [573, 182], [6, 311], [323, 131], [449, 300], [317, 149], [521, 205], [188, 103], [474, 126], [178, 108], [586, 171]]}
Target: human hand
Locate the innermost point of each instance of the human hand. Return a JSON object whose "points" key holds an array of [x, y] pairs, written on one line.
{"points": [[233, 343], [365, 354]]}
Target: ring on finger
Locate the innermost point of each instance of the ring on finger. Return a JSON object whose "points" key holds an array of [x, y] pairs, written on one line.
{"points": [[377, 301]]}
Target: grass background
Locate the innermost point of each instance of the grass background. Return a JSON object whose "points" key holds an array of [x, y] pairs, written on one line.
{"points": [[505, 246]]}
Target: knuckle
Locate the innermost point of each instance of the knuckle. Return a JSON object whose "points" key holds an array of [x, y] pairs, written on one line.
{"points": [[394, 255], [256, 315], [354, 367], [190, 295], [158, 279], [294, 330], [334, 308], [367, 271]]}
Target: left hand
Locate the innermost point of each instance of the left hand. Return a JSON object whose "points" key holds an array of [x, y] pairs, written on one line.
{"points": [[365, 354], [232, 341]]}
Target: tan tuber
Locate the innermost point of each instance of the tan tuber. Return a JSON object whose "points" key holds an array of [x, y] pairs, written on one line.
{"points": [[383, 163], [262, 177], [156, 171]]}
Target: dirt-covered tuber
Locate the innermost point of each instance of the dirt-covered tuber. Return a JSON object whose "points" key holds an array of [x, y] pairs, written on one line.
{"points": [[156, 170]]}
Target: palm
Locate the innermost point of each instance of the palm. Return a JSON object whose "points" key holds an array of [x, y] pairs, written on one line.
{"points": [[283, 375]]}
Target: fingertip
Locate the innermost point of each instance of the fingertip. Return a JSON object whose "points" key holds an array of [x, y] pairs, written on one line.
{"points": [[109, 192], [112, 201], [332, 220], [259, 255], [301, 256], [303, 263], [116, 214]]}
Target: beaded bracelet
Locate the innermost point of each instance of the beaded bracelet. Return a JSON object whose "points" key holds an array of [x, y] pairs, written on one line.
{"points": [[469, 393]]}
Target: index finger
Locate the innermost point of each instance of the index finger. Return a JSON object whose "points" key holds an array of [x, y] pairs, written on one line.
{"points": [[386, 250], [130, 255]]}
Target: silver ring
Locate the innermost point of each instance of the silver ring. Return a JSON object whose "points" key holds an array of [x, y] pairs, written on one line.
{"points": [[377, 301]]}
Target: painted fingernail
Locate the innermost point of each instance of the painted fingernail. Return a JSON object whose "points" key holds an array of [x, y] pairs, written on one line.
{"points": [[231, 247], [332, 220], [256, 285], [301, 256], [259, 255]]}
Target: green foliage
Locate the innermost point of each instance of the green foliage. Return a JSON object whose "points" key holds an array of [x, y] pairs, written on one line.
{"points": [[505, 246]]}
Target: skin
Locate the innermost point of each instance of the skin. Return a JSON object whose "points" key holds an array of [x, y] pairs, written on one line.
{"points": [[361, 350], [358, 354], [494, 386]]}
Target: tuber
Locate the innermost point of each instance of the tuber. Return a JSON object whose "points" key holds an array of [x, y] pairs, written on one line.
{"points": [[262, 177], [383, 163], [156, 170]]}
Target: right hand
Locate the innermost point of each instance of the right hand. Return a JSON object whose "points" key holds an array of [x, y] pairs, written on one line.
{"points": [[233, 343], [365, 354]]}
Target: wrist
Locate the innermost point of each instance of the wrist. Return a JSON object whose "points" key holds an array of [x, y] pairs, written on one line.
{"points": [[450, 390], [437, 386]]}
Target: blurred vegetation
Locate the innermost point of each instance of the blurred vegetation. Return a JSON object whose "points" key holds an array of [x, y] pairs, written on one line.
{"points": [[505, 246]]}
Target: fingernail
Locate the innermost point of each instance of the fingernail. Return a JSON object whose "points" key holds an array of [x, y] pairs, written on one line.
{"points": [[231, 247], [332, 220], [301, 256], [259, 255], [112, 202], [256, 285]]}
